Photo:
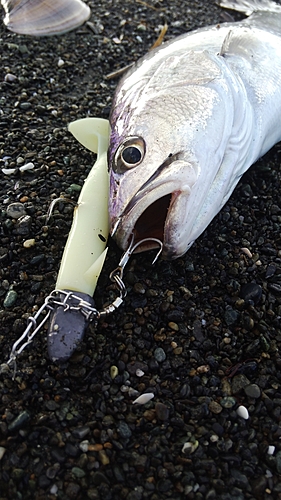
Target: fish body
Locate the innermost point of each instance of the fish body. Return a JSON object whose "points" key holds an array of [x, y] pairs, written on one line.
{"points": [[187, 121]]}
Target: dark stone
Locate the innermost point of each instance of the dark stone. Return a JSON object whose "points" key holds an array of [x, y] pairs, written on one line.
{"points": [[124, 430], [162, 411], [251, 292], [231, 316], [19, 422], [164, 485]]}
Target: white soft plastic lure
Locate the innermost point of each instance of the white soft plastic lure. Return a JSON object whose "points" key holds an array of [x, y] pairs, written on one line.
{"points": [[187, 121]]}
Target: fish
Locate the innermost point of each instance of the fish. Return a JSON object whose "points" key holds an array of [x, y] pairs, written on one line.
{"points": [[187, 121], [44, 17]]}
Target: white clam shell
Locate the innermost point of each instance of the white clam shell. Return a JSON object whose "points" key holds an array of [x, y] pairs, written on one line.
{"points": [[242, 412], [44, 17], [144, 398]]}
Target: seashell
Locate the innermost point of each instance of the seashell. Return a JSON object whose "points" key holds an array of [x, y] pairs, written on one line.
{"points": [[144, 398], [44, 17], [189, 447], [242, 412]]}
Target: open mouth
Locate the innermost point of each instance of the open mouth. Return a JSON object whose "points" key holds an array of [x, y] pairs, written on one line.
{"points": [[151, 223]]}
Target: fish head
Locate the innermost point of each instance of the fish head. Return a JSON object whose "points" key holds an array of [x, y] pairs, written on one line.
{"points": [[165, 144]]}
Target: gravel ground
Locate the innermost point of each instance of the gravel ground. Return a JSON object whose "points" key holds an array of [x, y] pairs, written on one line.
{"points": [[201, 333]]}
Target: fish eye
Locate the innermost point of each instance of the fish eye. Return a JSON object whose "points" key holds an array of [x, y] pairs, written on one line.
{"points": [[129, 154]]}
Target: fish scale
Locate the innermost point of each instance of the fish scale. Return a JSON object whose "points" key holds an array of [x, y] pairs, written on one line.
{"points": [[210, 101]]}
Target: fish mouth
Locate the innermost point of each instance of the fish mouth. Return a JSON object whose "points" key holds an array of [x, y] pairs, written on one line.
{"points": [[148, 220], [151, 224]]}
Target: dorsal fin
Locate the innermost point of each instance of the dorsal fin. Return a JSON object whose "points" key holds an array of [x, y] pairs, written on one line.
{"points": [[238, 42]]}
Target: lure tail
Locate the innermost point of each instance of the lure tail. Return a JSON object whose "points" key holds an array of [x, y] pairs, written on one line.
{"points": [[248, 7]]}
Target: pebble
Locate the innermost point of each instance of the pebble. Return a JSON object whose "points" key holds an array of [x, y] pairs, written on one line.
{"points": [[159, 354], [103, 457], [231, 316], [23, 225], [162, 411], [242, 412], [239, 382], [19, 422], [15, 210], [143, 399], [77, 472], [10, 299], [124, 430], [10, 78], [2, 452], [81, 432], [228, 402], [27, 166], [29, 243], [113, 372], [251, 292], [215, 407], [253, 391]]}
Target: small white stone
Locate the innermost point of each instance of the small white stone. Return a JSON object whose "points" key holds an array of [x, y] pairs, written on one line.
{"points": [[271, 450], [247, 252], [214, 438], [54, 489], [139, 373], [60, 63], [124, 388], [27, 166], [84, 446], [29, 243], [10, 78], [9, 171], [242, 412], [144, 398]]}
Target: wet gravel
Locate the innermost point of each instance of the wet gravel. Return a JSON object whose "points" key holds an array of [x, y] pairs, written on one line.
{"points": [[202, 334]]}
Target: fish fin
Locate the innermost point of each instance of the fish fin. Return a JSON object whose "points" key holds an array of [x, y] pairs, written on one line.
{"points": [[237, 42], [250, 6]]}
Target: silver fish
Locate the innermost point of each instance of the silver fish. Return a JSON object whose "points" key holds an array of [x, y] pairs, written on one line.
{"points": [[187, 121]]}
